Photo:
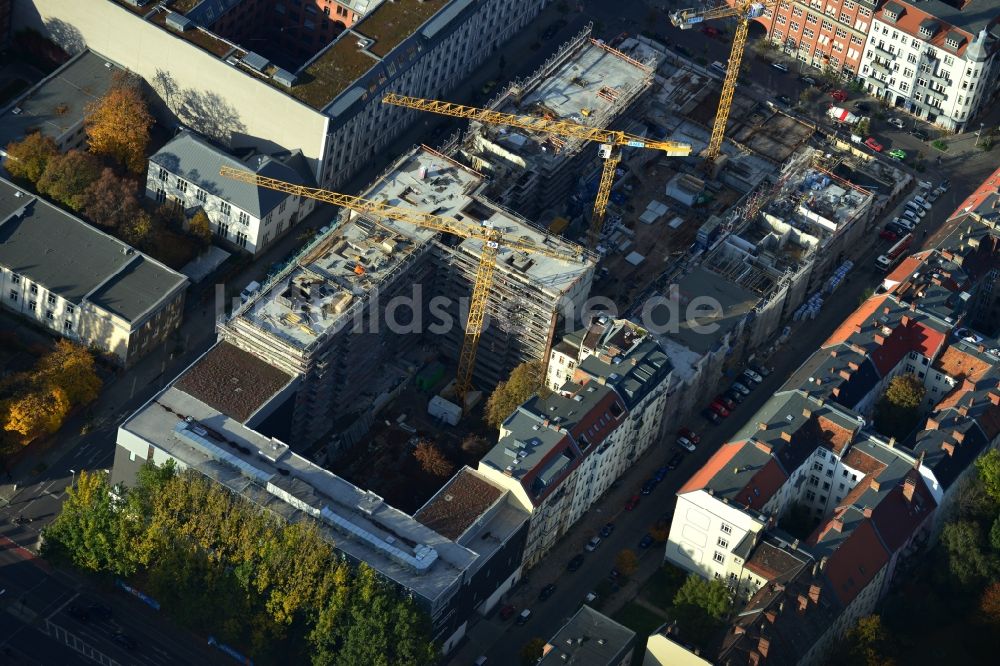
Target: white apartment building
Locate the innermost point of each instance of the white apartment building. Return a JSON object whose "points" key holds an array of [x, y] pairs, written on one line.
{"points": [[934, 60], [63, 274], [243, 216]]}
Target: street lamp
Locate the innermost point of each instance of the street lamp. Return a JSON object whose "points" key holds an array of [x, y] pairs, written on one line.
{"points": [[979, 133], [73, 480]]}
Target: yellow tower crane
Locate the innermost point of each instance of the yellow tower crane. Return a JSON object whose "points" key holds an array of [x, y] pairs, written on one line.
{"points": [[746, 10], [492, 240], [610, 140]]}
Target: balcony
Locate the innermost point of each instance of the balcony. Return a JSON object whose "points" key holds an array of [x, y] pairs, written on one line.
{"points": [[884, 49]]}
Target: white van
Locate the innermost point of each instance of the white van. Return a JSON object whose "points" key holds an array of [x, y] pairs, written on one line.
{"points": [[249, 291]]}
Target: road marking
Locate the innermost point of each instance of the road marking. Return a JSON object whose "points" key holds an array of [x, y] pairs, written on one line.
{"points": [[72, 641]]}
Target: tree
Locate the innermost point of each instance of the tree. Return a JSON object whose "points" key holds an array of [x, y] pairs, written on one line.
{"points": [[868, 642], [532, 651], [118, 124], [898, 410], [988, 467], [70, 367], [967, 559], [475, 446], [138, 231], [626, 562], [200, 227], [432, 460], [989, 604], [710, 596], [67, 177], [38, 412], [524, 381], [110, 201], [27, 158]]}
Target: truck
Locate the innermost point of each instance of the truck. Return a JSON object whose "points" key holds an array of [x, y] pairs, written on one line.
{"points": [[895, 254], [842, 115]]}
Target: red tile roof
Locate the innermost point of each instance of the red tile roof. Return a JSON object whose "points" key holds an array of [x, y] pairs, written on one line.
{"points": [[855, 562], [858, 317], [837, 435], [906, 268], [718, 461], [988, 187], [897, 519], [915, 336], [910, 22], [761, 488], [864, 463], [961, 365]]}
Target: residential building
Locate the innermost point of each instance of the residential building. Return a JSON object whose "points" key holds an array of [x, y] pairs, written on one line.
{"points": [[334, 316], [936, 60], [57, 105], [826, 35], [558, 455], [458, 554], [250, 218], [60, 273], [590, 638], [664, 648], [256, 94]]}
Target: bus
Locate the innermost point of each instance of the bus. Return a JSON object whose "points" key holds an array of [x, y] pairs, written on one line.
{"points": [[895, 254]]}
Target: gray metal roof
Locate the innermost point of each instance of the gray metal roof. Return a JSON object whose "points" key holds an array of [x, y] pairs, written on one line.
{"points": [[589, 637], [198, 161], [58, 102], [70, 258]]}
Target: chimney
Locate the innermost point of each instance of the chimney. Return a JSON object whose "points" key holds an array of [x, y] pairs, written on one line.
{"points": [[753, 658], [803, 603], [948, 448], [835, 392], [892, 442], [958, 436], [806, 413], [846, 374], [994, 397], [857, 328], [879, 339], [913, 306], [739, 630], [762, 426], [963, 410], [766, 448], [981, 347], [874, 485], [814, 593], [833, 353], [822, 562], [867, 511], [837, 524], [932, 424], [905, 320], [785, 435], [853, 365], [771, 616], [968, 385], [763, 645], [909, 486], [886, 310]]}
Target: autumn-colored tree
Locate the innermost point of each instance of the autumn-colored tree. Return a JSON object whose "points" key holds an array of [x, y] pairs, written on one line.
{"points": [[432, 460], [626, 562], [118, 124], [660, 532], [26, 159], [138, 231], [37, 413], [70, 367], [898, 410], [67, 177], [524, 381], [111, 201], [868, 642], [532, 651], [475, 446], [989, 604], [200, 227]]}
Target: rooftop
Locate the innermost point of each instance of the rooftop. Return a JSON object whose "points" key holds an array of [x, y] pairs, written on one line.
{"points": [[459, 504], [232, 381], [589, 639], [58, 102], [970, 16], [333, 70], [815, 200], [392, 22], [72, 259]]}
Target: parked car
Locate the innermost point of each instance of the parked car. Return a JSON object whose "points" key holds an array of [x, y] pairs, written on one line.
{"points": [[922, 202], [632, 502], [919, 134], [607, 530], [719, 409], [808, 80], [690, 434], [780, 66], [614, 574], [546, 592], [888, 235], [742, 388], [896, 122], [661, 473], [917, 210], [908, 214], [784, 100], [873, 144], [734, 395], [507, 612], [896, 228], [523, 617], [125, 641], [592, 544], [838, 95], [648, 487], [723, 400], [897, 154], [685, 443], [710, 415], [863, 107], [575, 562], [906, 223], [945, 184], [646, 541], [934, 195], [757, 379], [760, 370], [675, 460]]}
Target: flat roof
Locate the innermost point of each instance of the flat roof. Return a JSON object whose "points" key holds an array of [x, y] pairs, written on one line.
{"points": [[589, 637], [459, 503], [75, 261], [392, 22], [59, 101], [333, 70], [265, 471]]}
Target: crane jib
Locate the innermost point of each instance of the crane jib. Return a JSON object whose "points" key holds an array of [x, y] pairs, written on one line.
{"points": [[636, 144]]}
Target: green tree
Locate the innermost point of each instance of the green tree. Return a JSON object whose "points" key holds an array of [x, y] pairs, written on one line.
{"points": [[868, 642], [67, 177], [524, 381], [110, 201], [897, 411], [85, 531], [118, 124], [532, 651], [200, 227], [988, 467], [27, 158], [967, 558], [995, 534], [626, 562], [710, 596]]}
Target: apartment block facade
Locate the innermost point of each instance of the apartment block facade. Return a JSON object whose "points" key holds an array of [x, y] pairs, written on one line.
{"points": [[826, 34]]}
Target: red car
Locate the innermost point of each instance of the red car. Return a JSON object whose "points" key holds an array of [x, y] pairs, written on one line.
{"points": [[885, 234], [838, 95], [719, 409], [507, 612], [873, 144], [725, 402], [632, 503], [690, 434]]}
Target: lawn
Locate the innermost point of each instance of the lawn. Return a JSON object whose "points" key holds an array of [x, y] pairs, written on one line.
{"points": [[661, 587], [640, 620]]}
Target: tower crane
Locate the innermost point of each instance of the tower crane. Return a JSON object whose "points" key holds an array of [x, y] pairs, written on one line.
{"points": [[492, 240], [685, 19], [611, 141]]}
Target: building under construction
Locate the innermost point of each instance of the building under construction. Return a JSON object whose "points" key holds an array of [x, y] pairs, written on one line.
{"points": [[585, 82], [342, 314]]}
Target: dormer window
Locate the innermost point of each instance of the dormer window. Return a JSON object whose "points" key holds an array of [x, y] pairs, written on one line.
{"points": [[892, 12], [953, 40], [928, 28]]}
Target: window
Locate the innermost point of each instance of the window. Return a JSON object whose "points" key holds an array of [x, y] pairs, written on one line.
{"points": [[797, 12], [822, 498], [829, 473], [813, 480], [826, 486], [726, 529], [201, 195], [15, 278], [182, 185], [163, 175], [50, 315], [719, 557], [281, 208], [243, 218], [67, 325], [782, 20], [827, 25], [222, 230], [841, 33], [794, 27], [52, 299], [70, 309], [840, 486], [817, 466], [241, 238], [810, 495], [225, 208], [807, 32], [723, 543], [161, 196], [32, 305], [33, 289], [13, 295]]}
